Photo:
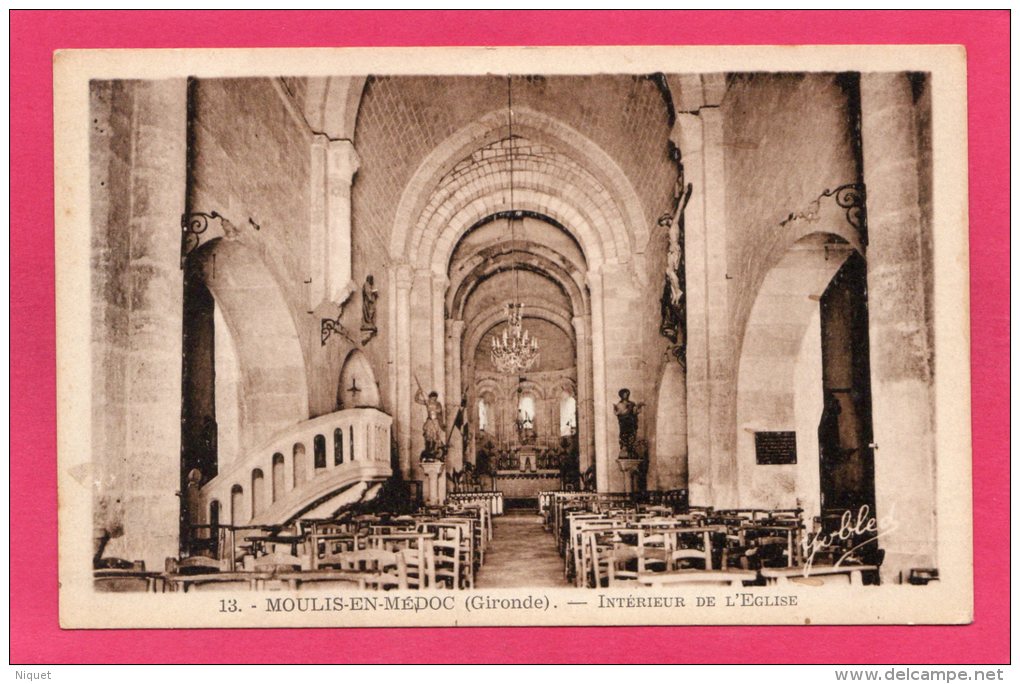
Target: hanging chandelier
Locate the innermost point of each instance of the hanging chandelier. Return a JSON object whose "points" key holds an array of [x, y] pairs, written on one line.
{"points": [[515, 351]]}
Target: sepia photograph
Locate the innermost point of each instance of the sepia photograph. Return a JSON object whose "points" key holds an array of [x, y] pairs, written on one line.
{"points": [[579, 336]]}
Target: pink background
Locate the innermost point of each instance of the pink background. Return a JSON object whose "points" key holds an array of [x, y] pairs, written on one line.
{"points": [[35, 634]]}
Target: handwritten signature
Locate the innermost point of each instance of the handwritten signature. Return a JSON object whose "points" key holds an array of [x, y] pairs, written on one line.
{"points": [[850, 526]]}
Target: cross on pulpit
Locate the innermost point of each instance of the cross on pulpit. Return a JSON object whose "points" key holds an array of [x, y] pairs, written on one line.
{"points": [[354, 390]]}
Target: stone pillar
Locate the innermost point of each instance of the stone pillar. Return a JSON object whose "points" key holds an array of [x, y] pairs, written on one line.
{"points": [[585, 437], [438, 284], [710, 419], [598, 346], [144, 335], [721, 365], [435, 482], [342, 164], [319, 201], [629, 467], [454, 335], [901, 352], [403, 277]]}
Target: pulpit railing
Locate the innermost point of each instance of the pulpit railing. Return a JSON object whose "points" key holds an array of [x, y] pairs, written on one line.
{"points": [[300, 467]]}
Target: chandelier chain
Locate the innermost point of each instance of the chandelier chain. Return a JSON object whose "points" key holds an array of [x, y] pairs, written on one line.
{"points": [[515, 351]]}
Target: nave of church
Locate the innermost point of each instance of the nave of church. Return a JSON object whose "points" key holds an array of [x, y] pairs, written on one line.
{"points": [[492, 331]]}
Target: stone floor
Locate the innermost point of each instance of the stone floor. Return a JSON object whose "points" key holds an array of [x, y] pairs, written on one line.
{"points": [[521, 554]]}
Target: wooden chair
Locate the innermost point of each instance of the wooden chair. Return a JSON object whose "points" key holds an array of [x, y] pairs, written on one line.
{"points": [[202, 573], [468, 556], [731, 578], [614, 563], [687, 546], [382, 569], [447, 554], [419, 556]]}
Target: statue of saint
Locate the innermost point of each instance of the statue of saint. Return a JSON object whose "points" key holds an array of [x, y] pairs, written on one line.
{"points": [[369, 296], [627, 414], [434, 429]]}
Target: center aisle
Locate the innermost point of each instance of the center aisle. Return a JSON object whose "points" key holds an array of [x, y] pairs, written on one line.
{"points": [[522, 554]]}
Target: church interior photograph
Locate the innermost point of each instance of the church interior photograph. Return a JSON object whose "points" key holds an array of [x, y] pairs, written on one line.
{"points": [[512, 330]]}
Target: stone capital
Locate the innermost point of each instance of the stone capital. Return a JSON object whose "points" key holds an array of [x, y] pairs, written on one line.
{"points": [[687, 134], [319, 142], [344, 161], [403, 276]]}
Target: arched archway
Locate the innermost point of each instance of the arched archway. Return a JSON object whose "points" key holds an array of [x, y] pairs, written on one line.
{"points": [[272, 383], [800, 351], [357, 387], [559, 174]]}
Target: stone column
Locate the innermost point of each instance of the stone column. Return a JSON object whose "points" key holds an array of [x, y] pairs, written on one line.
{"points": [[721, 365], [901, 351], [710, 421], [438, 283], [435, 482], [629, 467], [687, 136], [342, 163], [454, 335], [145, 227], [319, 201], [403, 277], [598, 346], [584, 402]]}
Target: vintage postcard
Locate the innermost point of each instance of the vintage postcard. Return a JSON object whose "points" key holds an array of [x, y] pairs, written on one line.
{"points": [[508, 336]]}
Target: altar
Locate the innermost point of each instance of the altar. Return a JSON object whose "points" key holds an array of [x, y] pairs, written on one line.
{"points": [[515, 484]]}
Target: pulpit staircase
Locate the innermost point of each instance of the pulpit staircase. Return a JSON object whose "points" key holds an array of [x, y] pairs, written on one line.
{"points": [[310, 470]]}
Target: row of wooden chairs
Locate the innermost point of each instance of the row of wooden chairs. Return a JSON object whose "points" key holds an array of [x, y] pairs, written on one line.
{"points": [[441, 547], [606, 542]]}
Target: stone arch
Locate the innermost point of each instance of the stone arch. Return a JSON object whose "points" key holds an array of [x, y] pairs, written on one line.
{"points": [[490, 318], [572, 188], [529, 256], [332, 104], [269, 354], [579, 222], [771, 375], [669, 432], [529, 387], [357, 369], [489, 385], [533, 125]]}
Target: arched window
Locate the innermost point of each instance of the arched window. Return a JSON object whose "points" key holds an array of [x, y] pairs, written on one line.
{"points": [[257, 491], [236, 505], [483, 415], [568, 416], [526, 411], [300, 467], [338, 446], [319, 445], [278, 476]]}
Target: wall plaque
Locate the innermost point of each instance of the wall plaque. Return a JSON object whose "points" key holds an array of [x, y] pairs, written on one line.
{"points": [[775, 448]]}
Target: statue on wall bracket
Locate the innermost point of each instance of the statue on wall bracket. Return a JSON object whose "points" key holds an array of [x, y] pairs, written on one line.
{"points": [[369, 297]]}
